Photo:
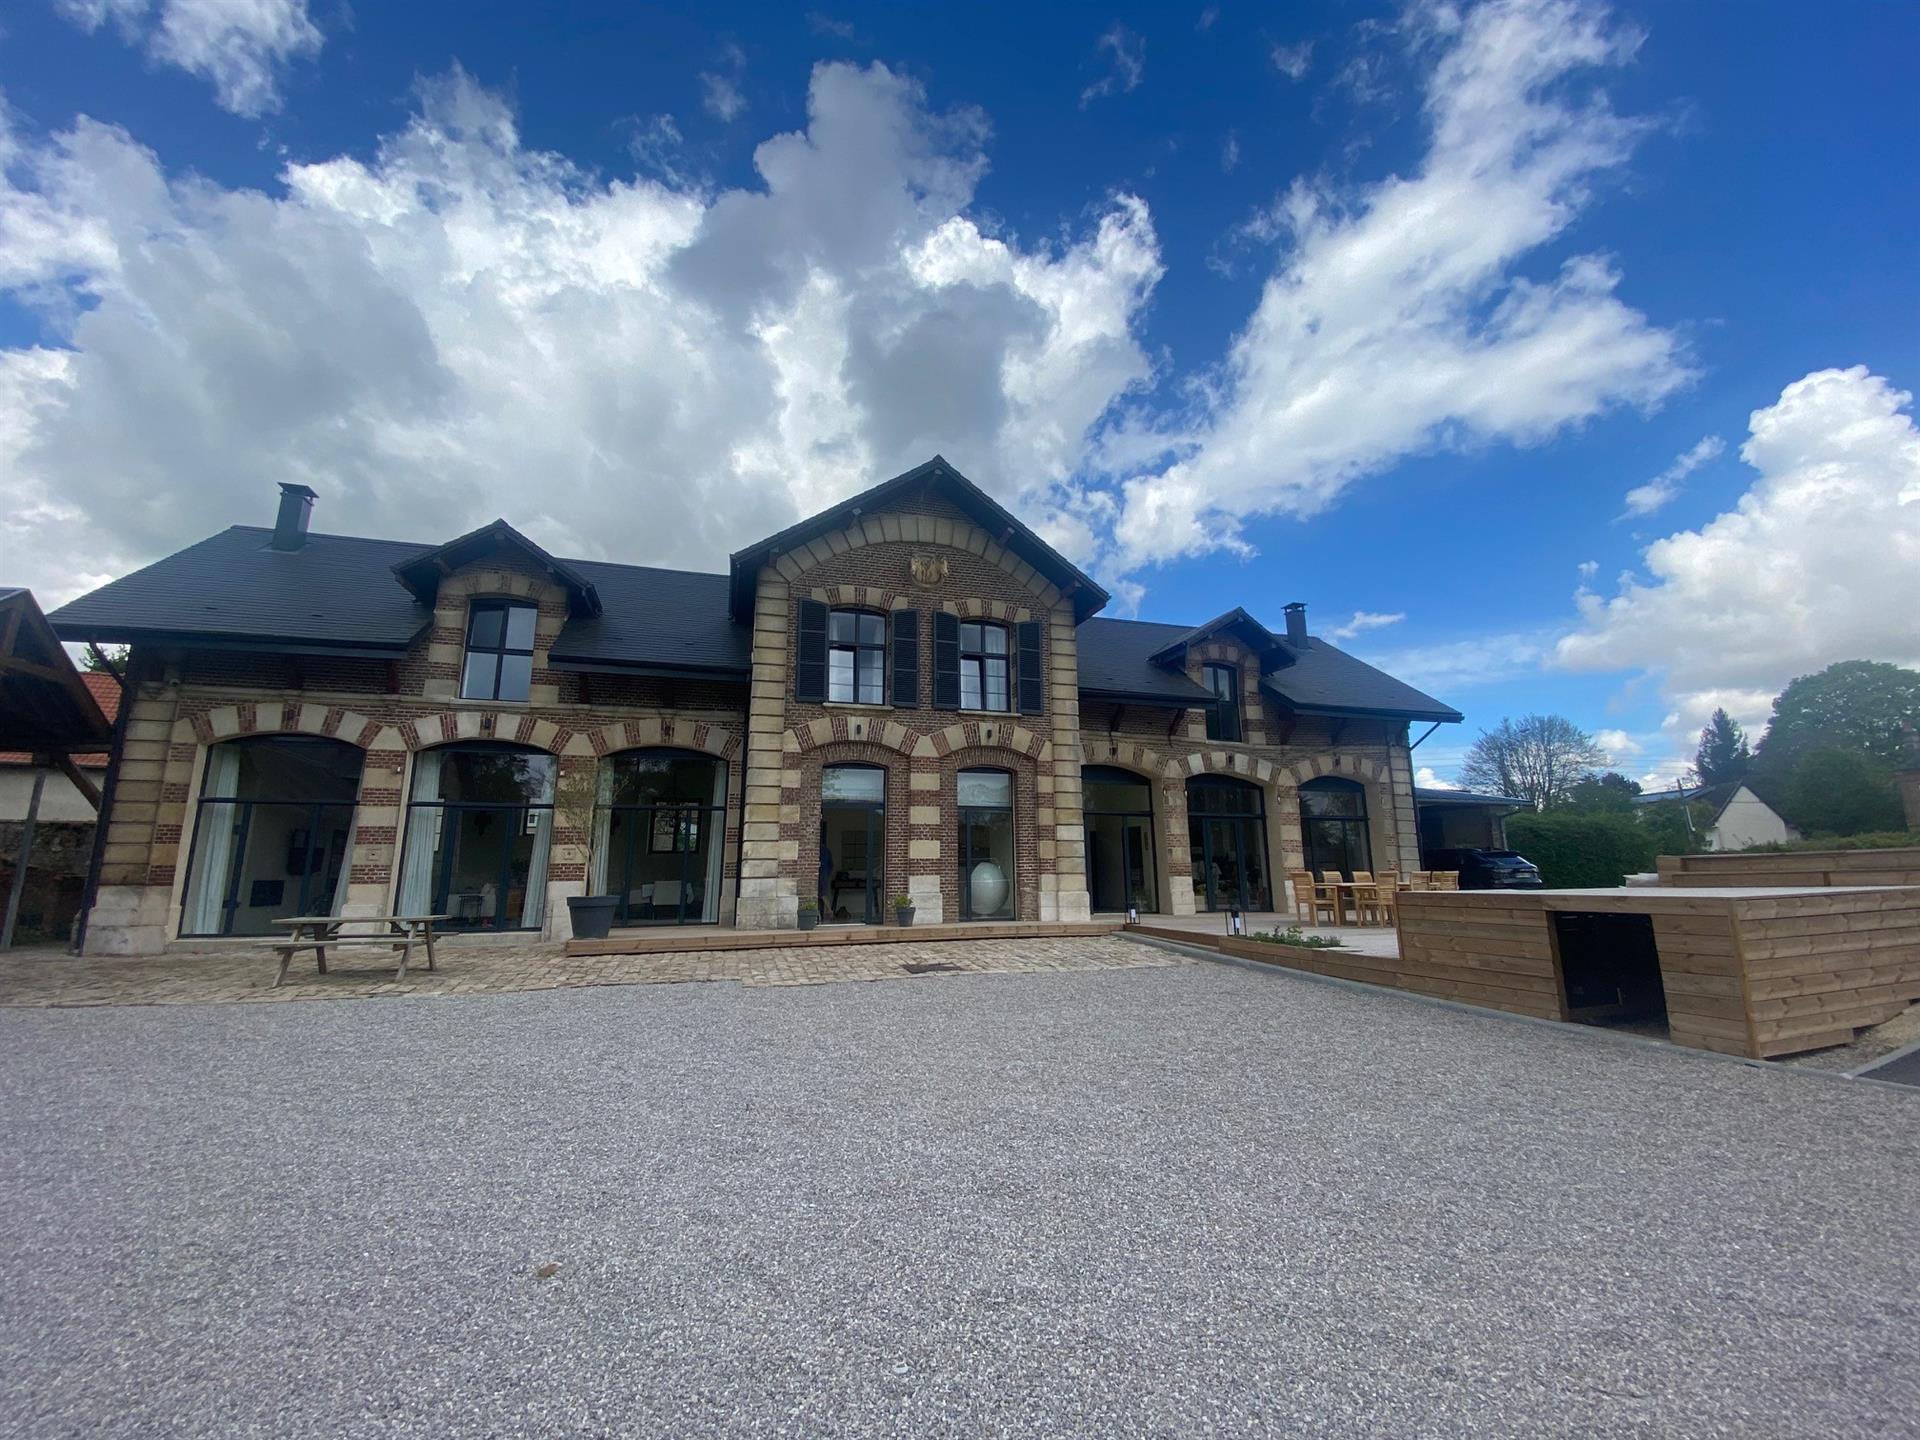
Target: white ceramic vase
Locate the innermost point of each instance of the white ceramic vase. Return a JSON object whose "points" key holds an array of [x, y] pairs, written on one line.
{"points": [[989, 884]]}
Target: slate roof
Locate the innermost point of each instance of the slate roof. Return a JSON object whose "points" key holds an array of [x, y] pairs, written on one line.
{"points": [[342, 593], [1116, 659], [1425, 796]]}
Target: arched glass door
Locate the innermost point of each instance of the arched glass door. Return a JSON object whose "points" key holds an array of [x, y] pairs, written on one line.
{"points": [[853, 844], [479, 833], [658, 836], [1118, 806], [1227, 839], [271, 836], [1333, 824]]}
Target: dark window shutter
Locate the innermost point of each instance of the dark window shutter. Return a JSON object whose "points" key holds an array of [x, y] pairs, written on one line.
{"points": [[1031, 698], [946, 661], [810, 658], [906, 659]]}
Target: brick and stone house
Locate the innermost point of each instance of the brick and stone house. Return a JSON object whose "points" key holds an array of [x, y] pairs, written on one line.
{"points": [[910, 694]]}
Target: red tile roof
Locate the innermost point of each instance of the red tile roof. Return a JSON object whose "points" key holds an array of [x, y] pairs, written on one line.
{"points": [[106, 693]]}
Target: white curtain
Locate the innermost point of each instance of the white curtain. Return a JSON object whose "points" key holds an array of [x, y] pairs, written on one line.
{"points": [[214, 863], [346, 869], [716, 843], [423, 837], [533, 908], [602, 831]]}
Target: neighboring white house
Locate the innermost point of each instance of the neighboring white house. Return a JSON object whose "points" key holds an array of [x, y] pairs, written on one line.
{"points": [[1744, 819]]}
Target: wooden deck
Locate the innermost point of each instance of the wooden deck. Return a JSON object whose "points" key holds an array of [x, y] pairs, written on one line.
{"points": [[686, 939], [1754, 972]]}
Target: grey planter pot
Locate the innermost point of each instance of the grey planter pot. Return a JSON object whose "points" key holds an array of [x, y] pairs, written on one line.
{"points": [[903, 916], [592, 915], [809, 919]]}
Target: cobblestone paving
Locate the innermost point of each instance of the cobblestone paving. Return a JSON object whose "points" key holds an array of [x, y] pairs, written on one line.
{"points": [[227, 976]]}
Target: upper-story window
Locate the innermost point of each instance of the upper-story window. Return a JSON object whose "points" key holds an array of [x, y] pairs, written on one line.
{"points": [[499, 664], [1223, 716], [857, 657], [983, 667]]}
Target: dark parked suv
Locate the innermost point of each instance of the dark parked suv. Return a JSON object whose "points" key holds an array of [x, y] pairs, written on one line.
{"points": [[1488, 869]]}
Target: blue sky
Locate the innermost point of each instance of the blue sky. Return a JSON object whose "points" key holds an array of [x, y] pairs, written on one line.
{"points": [[1385, 309]]}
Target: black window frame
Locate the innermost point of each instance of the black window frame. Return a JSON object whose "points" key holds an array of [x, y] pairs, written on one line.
{"points": [[865, 654], [1224, 720], [490, 605], [984, 659], [971, 815]]}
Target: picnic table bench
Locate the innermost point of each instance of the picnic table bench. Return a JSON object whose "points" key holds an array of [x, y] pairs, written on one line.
{"points": [[318, 933]]}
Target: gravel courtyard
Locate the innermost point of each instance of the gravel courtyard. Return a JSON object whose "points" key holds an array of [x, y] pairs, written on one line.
{"points": [[1194, 1200]]}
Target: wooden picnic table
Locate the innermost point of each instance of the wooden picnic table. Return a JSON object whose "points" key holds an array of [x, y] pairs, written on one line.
{"points": [[318, 932]]}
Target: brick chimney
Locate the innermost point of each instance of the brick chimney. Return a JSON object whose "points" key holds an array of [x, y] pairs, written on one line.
{"points": [[1296, 614]]}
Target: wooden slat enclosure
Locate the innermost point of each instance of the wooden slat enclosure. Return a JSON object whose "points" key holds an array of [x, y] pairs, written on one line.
{"points": [[1798, 868], [1755, 972]]}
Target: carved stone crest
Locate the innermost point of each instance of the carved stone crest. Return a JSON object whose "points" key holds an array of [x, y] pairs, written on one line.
{"points": [[928, 569]]}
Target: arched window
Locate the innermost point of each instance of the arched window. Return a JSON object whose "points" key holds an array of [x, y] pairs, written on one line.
{"points": [[985, 803], [271, 834], [479, 833], [1333, 823], [857, 657], [853, 844], [499, 660], [659, 833], [1118, 806], [1227, 839]]}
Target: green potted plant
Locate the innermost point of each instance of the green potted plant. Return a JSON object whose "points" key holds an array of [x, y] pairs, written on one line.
{"points": [[809, 914], [903, 909], [576, 793]]}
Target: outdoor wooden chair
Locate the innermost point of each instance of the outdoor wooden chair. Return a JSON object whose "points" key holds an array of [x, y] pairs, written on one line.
{"points": [[1310, 898], [1446, 879], [1366, 898], [1420, 880]]}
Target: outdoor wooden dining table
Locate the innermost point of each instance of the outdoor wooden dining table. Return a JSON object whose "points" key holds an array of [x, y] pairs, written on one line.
{"points": [[318, 933], [1346, 895]]}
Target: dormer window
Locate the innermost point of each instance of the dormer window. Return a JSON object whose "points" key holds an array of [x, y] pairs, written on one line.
{"points": [[499, 663], [1223, 716]]}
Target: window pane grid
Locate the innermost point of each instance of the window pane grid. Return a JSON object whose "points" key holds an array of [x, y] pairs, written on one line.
{"points": [[985, 673], [499, 659], [856, 657]]}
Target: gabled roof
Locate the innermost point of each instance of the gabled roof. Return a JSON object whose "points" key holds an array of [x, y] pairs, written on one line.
{"points": [[1236, 622], [106, 694], [1118, 658], [421, 573], [46, 705], [937, 474]]}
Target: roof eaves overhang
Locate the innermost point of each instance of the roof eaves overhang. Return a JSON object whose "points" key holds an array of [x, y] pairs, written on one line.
{"points": [[736, 674], [1369, 712], [1160, 699], [1258, 638], [234, 640]]}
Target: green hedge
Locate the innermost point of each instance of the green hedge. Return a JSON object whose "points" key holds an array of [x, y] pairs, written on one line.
{"points": [[1874, 840], [1580, 851]]}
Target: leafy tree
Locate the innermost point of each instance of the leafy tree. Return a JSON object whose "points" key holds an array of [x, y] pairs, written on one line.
{"points": [[1724, 754], [1859, 705], [89, 660], [1610, 793], [1539, 759], [1839, 792]]}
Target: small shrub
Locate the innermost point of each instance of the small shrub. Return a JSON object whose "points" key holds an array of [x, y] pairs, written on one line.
{"points": [[1872, 840], [1576, 852], [1293, 935]]}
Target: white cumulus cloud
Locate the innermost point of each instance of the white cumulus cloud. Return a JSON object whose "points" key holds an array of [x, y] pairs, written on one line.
{"points": [[1427, 780], [456, 327], [1818, 562], [240, 47], [1398, 319]]}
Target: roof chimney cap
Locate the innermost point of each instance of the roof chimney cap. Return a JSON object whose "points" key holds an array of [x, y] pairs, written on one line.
{"points": [[296, 508], [1296, 613]]}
